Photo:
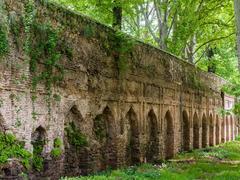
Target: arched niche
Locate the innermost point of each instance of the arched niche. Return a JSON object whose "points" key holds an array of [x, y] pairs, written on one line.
{"points": [[204, 131], [38, 138], [75, 143], [38, 141], [223, 130], [217, 132], [196, 131], [105, 133], [186, 131], [168, 135], [152, 150], [133, 145], [211, 130]]}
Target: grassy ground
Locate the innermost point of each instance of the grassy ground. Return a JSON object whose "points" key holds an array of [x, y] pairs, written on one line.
{"points": [[216, 163]]}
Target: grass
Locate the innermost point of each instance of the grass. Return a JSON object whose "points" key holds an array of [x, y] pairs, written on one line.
{"points": [[207, 165]]}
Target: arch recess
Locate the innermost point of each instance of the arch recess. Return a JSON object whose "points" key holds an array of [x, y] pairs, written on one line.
{"points": [[132, 155], [75, 155], [196, 131], [223, 130], [217, 132], [211, 130], [105, 132], [227, 129], [168, 135], [186, 131], [204, 131], [152, 149]]}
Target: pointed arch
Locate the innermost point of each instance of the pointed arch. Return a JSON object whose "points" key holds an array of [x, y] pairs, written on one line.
{"points": [[211, 130], [169, 135], [186, 131], [73, 116], [39, 134], [105, 133], [132, 155], [204, 131], [196, 131], [152, 150], [217, 131], [75, 156]]}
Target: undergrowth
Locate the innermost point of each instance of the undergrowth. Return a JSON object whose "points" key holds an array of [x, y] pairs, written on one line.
{"points": [[10, 148], [206, 165]]}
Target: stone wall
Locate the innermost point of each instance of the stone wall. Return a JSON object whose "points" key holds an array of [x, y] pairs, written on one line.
{"points": [[159, 106]]}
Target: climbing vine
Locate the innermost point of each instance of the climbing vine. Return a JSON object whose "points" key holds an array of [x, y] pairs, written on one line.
{"points": [[44, 48], [120, 46], [4, 44], [37, 160], [44, 51], [57, 148], [75, 137]]}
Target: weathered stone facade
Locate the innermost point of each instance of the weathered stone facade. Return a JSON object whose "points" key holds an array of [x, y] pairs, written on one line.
{"points": [[160, 106]]}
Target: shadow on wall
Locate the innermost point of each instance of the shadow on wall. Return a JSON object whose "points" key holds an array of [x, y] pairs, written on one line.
{"points": [[152, 149], [75, 143], [196, 131], [132, 154], [105, 133], [168, 136], [185, 131], [205, 127], [211, 130]]}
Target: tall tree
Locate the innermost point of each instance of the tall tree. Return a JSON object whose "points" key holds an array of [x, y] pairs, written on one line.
{"points": [[117, 15], [237, 17]]}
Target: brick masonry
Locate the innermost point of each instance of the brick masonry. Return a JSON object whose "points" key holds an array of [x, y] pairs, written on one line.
{"points": [[162, 105]]}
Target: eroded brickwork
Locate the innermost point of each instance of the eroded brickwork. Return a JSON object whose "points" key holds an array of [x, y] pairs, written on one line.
{"points": [[159, 107]]}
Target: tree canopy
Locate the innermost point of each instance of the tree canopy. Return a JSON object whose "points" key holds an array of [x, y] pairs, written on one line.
{"points": [[203, 32]]}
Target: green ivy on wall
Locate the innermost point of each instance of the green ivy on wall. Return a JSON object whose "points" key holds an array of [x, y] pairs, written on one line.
{"points": [[4, 46], [75, 137]]}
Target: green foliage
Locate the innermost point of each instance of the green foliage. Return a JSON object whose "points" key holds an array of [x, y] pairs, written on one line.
{"points": [[99, 128], [56, 152], [44, 47], [57, 97], [57, 148], [122, 45], [88, 32], [75, 137], [38, 160], [58, 142], [4, 45], [10, 147], [28, 19], [207, 165], [233, 89], [223, 112]]}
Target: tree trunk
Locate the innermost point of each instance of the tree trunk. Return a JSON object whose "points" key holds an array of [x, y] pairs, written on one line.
{"points": [[237, 17], [210, 55], [117, 15]]}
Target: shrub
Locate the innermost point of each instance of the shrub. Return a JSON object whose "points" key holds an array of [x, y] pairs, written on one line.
{"points": [[10, 147]]}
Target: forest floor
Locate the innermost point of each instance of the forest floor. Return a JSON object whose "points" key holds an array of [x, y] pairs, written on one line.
{"points": [[216, 163]]}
